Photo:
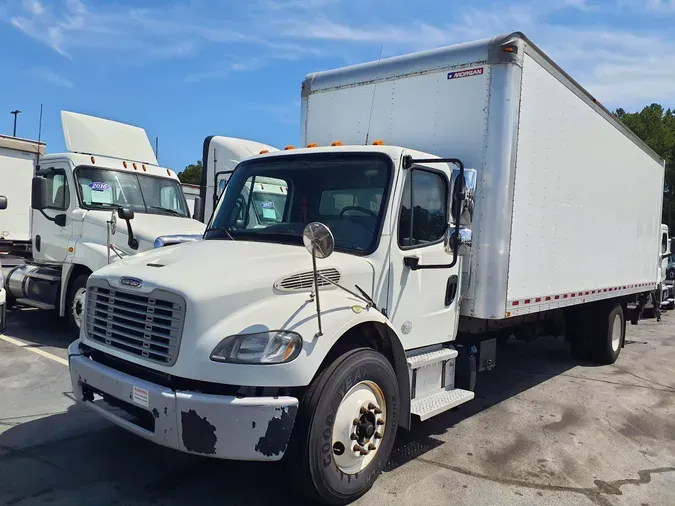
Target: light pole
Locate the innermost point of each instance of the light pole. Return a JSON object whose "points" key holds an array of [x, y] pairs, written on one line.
{"points": [[15, 112]]}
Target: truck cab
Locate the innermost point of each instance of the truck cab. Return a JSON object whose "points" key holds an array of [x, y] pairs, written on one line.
{"points": [[105, 199]]}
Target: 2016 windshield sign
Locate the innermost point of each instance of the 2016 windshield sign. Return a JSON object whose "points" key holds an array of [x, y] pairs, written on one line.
{"points": [[99, 187], [466, 73]]}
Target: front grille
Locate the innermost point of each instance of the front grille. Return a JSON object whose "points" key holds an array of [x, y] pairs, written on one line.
{"points": [[147, 325], [305, 280]]}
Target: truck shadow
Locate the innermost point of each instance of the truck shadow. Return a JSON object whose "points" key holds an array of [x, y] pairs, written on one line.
{"points": [[40, 328], [92, 462]]}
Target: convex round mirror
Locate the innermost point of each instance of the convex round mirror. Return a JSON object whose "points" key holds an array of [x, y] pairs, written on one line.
{"points": [[318, 240]]}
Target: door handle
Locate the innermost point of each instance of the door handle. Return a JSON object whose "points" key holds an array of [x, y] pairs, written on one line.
{"points": [[451, 290]]}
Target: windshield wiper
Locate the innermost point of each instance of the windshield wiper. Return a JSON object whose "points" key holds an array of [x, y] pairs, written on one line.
{"points": [[105, 204], [226, 231], [166, 210]]}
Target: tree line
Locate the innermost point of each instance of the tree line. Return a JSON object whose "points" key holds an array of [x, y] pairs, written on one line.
{"points": [[653, 124]]}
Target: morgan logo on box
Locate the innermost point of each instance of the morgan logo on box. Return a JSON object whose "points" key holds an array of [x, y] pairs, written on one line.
{"points": [[466, 73]]}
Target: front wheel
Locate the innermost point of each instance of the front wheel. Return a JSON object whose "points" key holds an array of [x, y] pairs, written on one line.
{"points": [[671, 274], [345, 428], [75, 303]]}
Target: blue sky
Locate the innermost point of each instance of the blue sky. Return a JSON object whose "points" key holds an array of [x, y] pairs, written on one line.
{"points": [[185, 69]]}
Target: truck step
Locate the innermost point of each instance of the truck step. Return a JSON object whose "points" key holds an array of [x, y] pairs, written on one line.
{"points": [[434, 404], [35, 303], [431, 357], [43, 276]]}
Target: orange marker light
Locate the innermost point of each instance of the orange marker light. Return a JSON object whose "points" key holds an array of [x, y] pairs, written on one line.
{"points": [[124, 164], [93, 160], [378, 143], [312, 145], [337, 143], [167, 171], [290, 146], [71, 249], [263, 152], [134, 164], [144, 167]]}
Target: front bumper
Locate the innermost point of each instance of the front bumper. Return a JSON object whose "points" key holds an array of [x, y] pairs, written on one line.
{"points": [[226, 427]]}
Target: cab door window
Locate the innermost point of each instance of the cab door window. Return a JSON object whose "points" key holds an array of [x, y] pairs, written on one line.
{"points": [[58, 193], [424, 209]]}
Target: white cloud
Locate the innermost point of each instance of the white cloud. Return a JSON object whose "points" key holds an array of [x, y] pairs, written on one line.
{"points": [[622, 65], [51, 77], [34, 7]]}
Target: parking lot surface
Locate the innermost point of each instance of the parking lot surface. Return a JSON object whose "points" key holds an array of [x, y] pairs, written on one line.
{"points": [[543, 429]]}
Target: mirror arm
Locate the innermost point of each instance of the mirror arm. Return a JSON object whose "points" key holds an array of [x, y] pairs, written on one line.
{"points": [[42, 211], [316, 290]]}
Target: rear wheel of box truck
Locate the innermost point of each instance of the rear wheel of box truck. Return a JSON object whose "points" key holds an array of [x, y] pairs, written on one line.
{"points": [[345, 428], [597, 331]]}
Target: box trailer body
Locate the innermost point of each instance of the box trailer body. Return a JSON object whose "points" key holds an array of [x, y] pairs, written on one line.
{"points": [[568, 202], [18, 158]]}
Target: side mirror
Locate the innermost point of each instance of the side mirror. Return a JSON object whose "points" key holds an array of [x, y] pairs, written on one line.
{"points": [[38, 197], [3, 202], [463, 198], [198, 213], [126, 214]]}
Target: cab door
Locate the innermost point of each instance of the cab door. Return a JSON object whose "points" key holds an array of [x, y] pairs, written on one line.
{"points": [[424, 302], [51, 231]]}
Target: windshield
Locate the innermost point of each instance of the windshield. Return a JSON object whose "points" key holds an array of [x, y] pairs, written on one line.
{"points": [[105, 188], [274, 199]]}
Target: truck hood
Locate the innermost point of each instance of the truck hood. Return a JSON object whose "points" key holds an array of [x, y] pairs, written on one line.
{"points": [[146, 227], [230, 285], [213, 269]]}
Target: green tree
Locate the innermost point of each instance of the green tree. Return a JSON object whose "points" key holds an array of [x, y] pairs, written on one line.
{"points": [[192, 173], [656, 127]]}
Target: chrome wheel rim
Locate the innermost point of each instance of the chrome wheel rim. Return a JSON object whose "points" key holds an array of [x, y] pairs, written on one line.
{"points": [[359, 427], [78, 306], [616, 332]]}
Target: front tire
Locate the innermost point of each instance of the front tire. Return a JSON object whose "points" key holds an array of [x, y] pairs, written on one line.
{"points": [[75, 303], [337, 460]]}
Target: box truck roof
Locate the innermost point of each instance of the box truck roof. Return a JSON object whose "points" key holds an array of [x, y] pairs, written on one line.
{"points": [[460, 61]]}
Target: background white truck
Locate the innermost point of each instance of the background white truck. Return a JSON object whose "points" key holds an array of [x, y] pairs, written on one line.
{"points": [[499, 198], [69, 214]]}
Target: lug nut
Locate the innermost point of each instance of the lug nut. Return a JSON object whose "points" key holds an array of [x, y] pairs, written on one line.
{"points": [[372, 406], [353, 437], [357, 448], [380, 422], [377, 411], [356, 421], [377, 435], [363, 410], [371, 446], [364, 451]]}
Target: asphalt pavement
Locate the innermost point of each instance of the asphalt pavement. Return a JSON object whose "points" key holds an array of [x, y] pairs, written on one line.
{"points": [[543, 429]]}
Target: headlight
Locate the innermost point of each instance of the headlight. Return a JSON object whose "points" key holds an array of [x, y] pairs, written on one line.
{"points": [[271, 347]]}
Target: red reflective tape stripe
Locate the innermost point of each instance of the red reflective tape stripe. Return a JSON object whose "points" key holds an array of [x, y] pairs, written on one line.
{"points": [[548, 298], [565, 296], [557, 297], [538, 299], [515, 303], [526, 301]]}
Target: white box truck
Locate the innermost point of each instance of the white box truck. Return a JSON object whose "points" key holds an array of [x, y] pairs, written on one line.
{"points": [[69, 214], [448, 199]]}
